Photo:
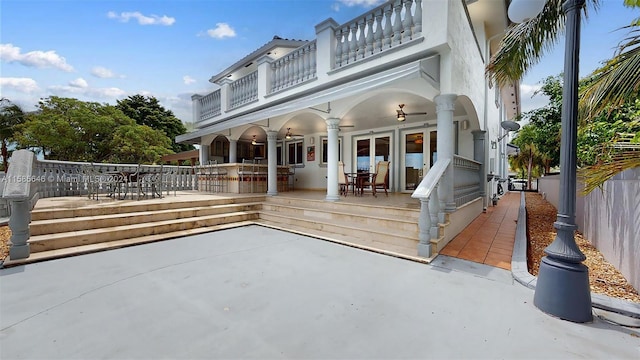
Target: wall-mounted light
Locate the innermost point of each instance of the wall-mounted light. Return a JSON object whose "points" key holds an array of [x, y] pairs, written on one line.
{"points": [[465, 124], [494, 144]]}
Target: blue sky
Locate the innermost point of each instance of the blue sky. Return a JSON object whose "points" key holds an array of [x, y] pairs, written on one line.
{"points": [[107, 50]]}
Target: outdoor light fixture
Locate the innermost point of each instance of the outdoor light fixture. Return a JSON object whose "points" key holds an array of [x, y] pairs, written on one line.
{"points": [[562, 288], [402, 116], [254, 142], [494, 145], [288, 134], [524, 10]]}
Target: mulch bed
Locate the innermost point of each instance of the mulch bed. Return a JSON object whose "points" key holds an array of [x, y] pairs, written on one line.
{"points": [[604, 278]]}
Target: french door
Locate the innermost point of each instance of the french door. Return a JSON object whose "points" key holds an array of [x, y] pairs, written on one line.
{"points": [[370, 149], [419, 153]]}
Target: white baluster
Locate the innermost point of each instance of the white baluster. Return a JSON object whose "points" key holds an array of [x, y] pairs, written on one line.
{"points": [[312, 60], [353, 43], [361, 40], [369, 38], [397, 25], [305, 63], [388, 28], [345, 46], [417, 19], [338, 58], [434, 211], [424, 226], [408, 21], [377, 44]]}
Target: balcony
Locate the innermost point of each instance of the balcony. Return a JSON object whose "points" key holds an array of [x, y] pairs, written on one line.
{"points": [[282, 68]]}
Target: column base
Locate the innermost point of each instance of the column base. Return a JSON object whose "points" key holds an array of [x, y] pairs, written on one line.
{"points": [[424, 250], [332, 198], [272, 193], [563, 290], [19, 251]]}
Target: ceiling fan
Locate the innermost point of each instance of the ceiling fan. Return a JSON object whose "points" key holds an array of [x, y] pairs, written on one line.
{"points": [[402, 116], [255, 142], [289, 135]]}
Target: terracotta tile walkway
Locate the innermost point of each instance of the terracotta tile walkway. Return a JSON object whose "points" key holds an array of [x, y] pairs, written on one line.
{"points": [[489, 238]]}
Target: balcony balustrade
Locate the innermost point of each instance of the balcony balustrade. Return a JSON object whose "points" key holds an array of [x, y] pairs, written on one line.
{"points": [[370, 35]]}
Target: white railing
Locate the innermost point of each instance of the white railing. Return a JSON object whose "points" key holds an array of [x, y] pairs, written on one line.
{"points": [[243, 90], [466, 180], [382, 28], [210, 105], [294, 68], [432, 206]]}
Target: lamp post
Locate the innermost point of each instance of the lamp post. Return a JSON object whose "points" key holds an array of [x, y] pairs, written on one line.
{"points": [[562, 289]]}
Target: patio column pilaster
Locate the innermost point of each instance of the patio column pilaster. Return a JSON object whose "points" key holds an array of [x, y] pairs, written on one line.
{"points": [[204, 154], [332, 159], [479, 146], [445, 104], [272, 161], [233, 151]]}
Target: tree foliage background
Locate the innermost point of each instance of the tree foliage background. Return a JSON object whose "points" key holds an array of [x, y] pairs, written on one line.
{"points": [[72, 130]]}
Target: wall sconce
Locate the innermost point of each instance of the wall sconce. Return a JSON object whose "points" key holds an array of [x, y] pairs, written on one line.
{"points": [[494, 144], [465, 124]]}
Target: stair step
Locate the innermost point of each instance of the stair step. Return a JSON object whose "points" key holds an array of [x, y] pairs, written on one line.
{"points": [[134, 206], [84, 237], [390, 236], [115, 244], [337, 216], [52, 226], [365, 244]]}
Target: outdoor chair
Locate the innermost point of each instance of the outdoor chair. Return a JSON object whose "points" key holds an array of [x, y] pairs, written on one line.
{"points": [[379, 179], [344, 180]]}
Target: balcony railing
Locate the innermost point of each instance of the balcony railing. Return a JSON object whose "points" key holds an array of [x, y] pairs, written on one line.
{"points": [[244, 90], [210, 105], [382, 28], [466, 180], [373, 34], [294, 68]]}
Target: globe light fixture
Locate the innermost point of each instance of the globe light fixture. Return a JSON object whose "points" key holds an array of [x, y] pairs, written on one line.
{"points": [[525, 10]]}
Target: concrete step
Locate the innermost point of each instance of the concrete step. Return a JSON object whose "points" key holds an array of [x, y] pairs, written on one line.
{"points": [[52, 226], [360, 217], [92, 236], [115, 244], [370, 210], [96, 208], [391, 236]]}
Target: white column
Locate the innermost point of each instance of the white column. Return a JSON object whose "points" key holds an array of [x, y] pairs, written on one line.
{"points": [[204, 154], [272, 161], [332, 159], [196, 107], [444, 109], [233, 151]]}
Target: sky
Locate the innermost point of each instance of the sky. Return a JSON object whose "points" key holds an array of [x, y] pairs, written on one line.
{"points": [[104, 51]]}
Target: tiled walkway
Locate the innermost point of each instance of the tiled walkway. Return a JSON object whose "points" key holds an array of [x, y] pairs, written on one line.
{"points": [[489, 238]]}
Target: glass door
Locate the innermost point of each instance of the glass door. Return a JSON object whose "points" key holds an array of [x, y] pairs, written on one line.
{"points": [[418, 149], [369, 150]]}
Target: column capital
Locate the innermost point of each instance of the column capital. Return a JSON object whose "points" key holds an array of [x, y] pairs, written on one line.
{"points": [[272, 135], [478, 134], [445, 102], [332, 123]]}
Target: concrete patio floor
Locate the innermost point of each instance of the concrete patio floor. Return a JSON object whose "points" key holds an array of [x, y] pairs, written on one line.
{"points": [[254, 292]]}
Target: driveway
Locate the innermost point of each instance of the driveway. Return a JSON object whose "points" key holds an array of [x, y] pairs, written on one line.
{"points": [[255, 292]]}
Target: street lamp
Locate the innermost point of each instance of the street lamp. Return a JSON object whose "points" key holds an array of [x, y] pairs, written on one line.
{"points": [[562, 288]]}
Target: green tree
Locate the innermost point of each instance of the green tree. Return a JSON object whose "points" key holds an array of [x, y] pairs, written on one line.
{"points": [[73, 130], [146, 110], [11, 115], [530, 160], [138, 144]]}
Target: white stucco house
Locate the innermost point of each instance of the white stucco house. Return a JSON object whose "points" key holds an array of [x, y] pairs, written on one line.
{"points": [[404, 82]]}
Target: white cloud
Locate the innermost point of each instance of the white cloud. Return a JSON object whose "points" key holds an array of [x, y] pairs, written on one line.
{"points": [[142, 19], [104, 73], [365, 3], [39, 59], [221, 31], [101, 93], [25, 85], [529, 99], [79, 83], [188, 79]]}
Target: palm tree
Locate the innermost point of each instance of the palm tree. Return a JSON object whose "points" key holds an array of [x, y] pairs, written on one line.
{"points": [[613, 84], [10, 116]]}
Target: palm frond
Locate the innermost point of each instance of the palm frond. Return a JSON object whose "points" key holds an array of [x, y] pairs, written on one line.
{"points": [[616, 157], [617, 81]]}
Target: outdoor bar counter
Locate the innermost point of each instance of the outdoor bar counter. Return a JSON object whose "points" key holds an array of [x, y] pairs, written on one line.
{"points": [[241, 178]]}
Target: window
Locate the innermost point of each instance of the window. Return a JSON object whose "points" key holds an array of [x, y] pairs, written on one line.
{"points": [[324, 149], [295, 153]]}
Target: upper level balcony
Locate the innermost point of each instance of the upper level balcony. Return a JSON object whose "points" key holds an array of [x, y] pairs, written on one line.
{"points": [[389, 34]]}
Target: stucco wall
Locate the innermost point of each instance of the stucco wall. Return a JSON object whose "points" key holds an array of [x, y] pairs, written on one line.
{"points": [[609, 219]]}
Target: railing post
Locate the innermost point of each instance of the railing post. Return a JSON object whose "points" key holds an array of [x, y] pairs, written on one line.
{"points": [[19, 225], [196, 107], [264, 76], [424, 226], [436, 210]]}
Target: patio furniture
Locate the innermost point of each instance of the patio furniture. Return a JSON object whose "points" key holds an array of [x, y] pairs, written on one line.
{"points": [[379, 179], [344, 180]]}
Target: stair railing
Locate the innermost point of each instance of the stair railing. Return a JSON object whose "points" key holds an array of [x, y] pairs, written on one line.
{"points": [[432, 213]]}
